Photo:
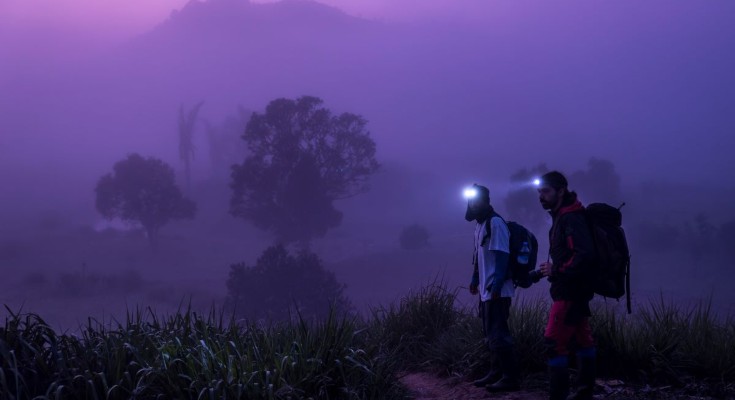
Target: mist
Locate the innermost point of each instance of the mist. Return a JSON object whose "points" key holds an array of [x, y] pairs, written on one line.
{"points": [[454, 93]]}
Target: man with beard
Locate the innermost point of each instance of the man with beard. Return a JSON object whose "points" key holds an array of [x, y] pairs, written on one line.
{"points": [[495, 286], [570, 270]]}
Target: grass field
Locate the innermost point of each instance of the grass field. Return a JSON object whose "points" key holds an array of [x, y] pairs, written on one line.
{"points": [[188, 355]]}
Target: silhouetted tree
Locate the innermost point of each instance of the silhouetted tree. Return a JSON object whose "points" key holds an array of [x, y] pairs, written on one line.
{"points": [[187, 121], [414, 237], [705, 230], [279, 284], [598, 183], [226, 147], [142, 190], [726, 236], [302, 158], [661, 237], [700, 236]]}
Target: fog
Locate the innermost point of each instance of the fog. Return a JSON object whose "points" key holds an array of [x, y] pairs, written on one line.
{"points": [[453, 92]]}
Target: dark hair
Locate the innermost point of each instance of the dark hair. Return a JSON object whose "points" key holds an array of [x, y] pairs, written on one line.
{"points": [[555, 179], [483, 193], [483, 196]]}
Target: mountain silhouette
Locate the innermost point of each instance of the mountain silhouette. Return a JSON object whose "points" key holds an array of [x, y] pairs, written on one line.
{"points": [[237, 25]]}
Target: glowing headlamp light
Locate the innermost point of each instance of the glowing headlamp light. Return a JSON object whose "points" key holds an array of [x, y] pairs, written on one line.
{"points": [[470, 193], [537, 182]]}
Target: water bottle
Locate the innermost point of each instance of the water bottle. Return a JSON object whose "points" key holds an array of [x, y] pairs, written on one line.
{"points": [[524, 254]]}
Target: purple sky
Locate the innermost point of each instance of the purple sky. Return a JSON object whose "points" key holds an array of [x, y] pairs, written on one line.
{"points": [[121, 19], [454, 91], [648, 85], [124, 17]]}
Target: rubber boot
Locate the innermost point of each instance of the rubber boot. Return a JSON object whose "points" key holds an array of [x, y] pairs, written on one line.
{"points": [[510, 382], [585, 378], [558, 383], [493, 375]]}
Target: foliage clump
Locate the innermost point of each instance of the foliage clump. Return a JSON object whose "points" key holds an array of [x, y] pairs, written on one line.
{"points": [[142, 190], [414, 237], [281, 286], [301, 158]]}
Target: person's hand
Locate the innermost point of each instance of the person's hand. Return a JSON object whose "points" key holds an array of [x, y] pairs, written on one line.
{"points": [[535, 276], [546, 268], [475, 282], [473, 289]]}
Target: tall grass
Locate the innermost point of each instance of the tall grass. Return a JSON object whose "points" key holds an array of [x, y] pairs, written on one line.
{"points": [[411, 327], [662, 343], [192, 356]]}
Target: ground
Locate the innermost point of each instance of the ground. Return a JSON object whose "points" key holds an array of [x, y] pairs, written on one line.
{"points": [[427, 386]]}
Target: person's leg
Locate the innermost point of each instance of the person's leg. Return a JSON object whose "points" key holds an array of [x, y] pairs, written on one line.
{"points": [[586, 362], [494, 373], [502, 344], [557, 337]]}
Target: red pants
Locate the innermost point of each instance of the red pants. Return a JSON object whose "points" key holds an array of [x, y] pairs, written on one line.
{"points": [[561, 334]]}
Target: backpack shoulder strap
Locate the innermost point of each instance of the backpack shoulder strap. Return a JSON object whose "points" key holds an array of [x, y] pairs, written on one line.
{"points": [[488, 228]]}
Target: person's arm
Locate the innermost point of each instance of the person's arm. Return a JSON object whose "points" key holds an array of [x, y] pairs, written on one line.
{"points": [[535, 276], [475, 282], [500, 259], [579, 245], [500, 253]]}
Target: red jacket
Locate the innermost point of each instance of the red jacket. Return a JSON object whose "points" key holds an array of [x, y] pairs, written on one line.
{"points": [[571, 249]]}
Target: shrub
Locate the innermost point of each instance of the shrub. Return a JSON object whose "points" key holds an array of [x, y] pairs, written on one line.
{"points": [[414, 237], [280, 286], [413, 325]]}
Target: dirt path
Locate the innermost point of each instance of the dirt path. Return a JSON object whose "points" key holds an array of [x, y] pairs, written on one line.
{"points": [[425, 386]]}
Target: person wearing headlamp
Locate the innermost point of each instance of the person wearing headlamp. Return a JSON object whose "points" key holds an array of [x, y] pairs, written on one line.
{"points": [[492, 281], [570, 270]]}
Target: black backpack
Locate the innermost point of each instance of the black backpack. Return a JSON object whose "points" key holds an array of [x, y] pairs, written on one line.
{"points": [[519, 272], [613, 258]]}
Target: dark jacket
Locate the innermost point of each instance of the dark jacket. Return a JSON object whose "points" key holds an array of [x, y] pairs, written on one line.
{"points": [[571, 248]]}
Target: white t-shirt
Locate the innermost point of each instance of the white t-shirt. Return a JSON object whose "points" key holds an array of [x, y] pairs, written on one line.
{"points": [[499, 241]]}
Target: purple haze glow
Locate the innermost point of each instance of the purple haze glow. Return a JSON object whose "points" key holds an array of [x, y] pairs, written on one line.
{"points": [[455, 91]]}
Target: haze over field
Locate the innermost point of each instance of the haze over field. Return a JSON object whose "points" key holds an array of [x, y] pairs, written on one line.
{"points": [[454, 92]]}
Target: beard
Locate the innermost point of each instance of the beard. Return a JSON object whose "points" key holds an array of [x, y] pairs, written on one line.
{"points": [[545, 204]]}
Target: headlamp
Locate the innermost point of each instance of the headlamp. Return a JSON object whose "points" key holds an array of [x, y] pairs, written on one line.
{"points": [[470, 193]]}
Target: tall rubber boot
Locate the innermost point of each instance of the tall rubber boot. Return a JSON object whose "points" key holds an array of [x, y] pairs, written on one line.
{"points": [[558, 383], [510, 382], [493, 375], [585, 378]]}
